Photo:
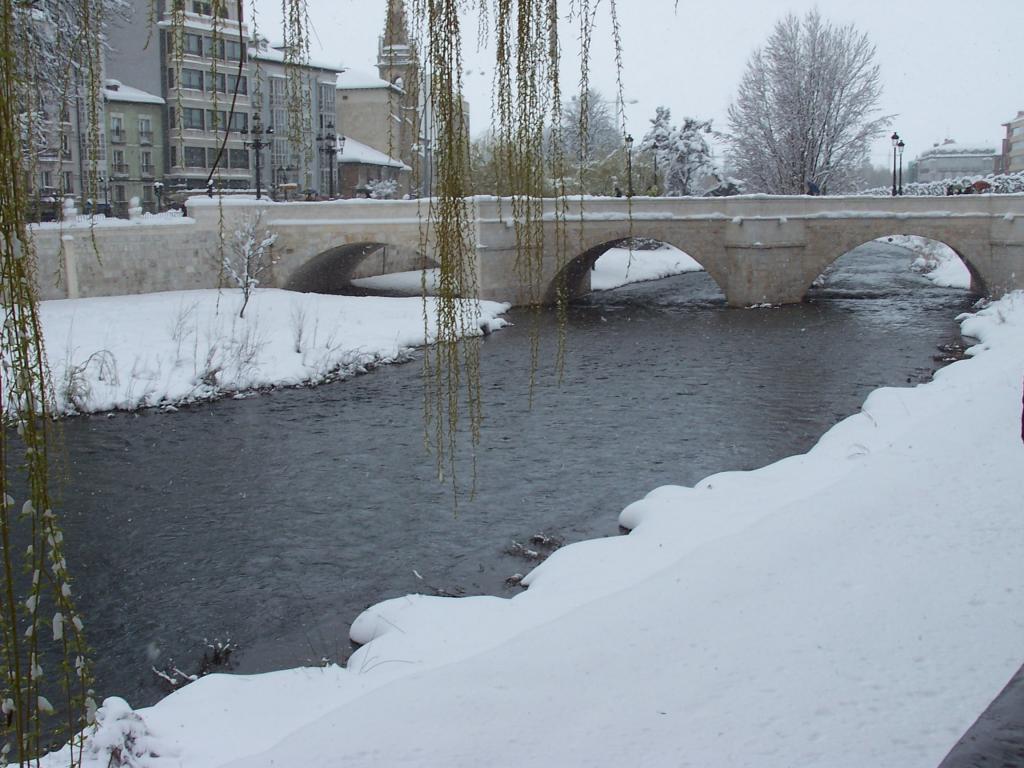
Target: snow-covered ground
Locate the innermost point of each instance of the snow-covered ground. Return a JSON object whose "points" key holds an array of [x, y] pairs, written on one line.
{"points": [[615, 268], [159, 349], [620, 266], [936, 261], [858, 605], [164, 349]]}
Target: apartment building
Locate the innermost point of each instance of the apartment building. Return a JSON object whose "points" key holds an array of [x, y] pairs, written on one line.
{"points": [[1012, 159], [950, 160], [296, 159], [135, 152], [196, 60]]}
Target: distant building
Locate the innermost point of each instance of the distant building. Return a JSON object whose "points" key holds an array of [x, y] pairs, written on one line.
{"points": [[197, 86], [1012, 158], [135, 138], [361, 168], [951, 159], [296, 159], [381, 111]]}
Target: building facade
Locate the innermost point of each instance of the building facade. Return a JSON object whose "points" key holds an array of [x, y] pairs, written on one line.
{"points": [[951, 160], [135, 151], [296, 159], [380, 115], [196, 61], [1012, 158]]}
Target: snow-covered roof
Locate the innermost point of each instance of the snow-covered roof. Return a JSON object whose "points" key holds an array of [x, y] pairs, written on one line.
{"points": [[356, 152], [960, 148], [357, 79], [275, 52], [115, 90]]}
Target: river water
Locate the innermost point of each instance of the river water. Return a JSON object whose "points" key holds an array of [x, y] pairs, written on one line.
{"points": [[275, 520]]}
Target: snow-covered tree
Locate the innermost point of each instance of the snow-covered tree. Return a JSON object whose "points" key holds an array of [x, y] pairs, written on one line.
{"points": [[382, 189], [807, 107], [249, 256], [682, 154]]}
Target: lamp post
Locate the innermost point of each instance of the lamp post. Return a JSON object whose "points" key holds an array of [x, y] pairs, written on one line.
{"points": [[629, 165], [327, 147], [105, 184], [257, 144], [895, 146], [336, 155], [899, 146], [158, 188]]}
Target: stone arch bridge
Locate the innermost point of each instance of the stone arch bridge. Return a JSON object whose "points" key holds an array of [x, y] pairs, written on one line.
{"points": [[759, 249]]}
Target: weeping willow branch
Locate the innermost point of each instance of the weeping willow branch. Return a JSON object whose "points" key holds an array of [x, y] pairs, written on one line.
{"points": [[37, 611], [529, 168]]}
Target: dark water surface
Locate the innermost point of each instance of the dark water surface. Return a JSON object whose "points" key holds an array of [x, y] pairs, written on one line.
{"points": [[275, 520]]}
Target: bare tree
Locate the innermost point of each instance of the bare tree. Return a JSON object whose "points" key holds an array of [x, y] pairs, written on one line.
{"points": [[807, 107], [249, 256]]}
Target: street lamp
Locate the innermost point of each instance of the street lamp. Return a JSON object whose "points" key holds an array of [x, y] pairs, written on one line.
{"points": [[629, 165], [105, 184], [895, 146], [327, 147], [158, 188], [337, 155], [899, 146], [258, 144]]}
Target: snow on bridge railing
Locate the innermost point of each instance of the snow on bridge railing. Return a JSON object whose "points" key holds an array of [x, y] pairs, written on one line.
{"points": [[1000, 184]]}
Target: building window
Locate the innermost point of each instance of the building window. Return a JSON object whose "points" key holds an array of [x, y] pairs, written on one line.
{"points": [[69, 185], [117, 133], [65, 146], [118, 166], [231, 50], [191, 79], [225, 83], [193, 44], [243, 86], [195, 157], [146, 163], [239, 120], [192, 117], [119, 193], [238, 158], [147, 193], [145, 130], [47, 179], [234, 50], [201, 8]]}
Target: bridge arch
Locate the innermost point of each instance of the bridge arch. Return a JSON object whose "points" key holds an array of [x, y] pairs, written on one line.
{"points": [[332, 271], [572, 275], [962, 248]]}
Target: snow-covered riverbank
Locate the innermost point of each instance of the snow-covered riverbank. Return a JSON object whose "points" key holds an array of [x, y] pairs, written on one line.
{"points": [[129, 352], [856, 605], [166, 349]]}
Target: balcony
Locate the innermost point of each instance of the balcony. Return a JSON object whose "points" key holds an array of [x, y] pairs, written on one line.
{"points": [[145, 137], [147, 171], [117, 136], [119, 169]]}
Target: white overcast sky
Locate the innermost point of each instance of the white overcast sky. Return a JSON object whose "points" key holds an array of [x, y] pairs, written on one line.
{"points": [[950, 68]]}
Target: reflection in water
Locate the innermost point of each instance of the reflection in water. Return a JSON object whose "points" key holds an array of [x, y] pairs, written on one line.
{"points": [[275, 520]]}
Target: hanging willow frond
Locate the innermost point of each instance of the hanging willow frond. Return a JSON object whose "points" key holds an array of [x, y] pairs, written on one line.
{"points": [[527, 126], [50, 69]]}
